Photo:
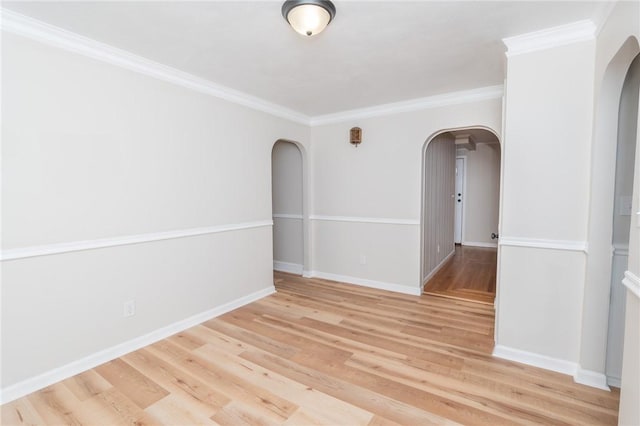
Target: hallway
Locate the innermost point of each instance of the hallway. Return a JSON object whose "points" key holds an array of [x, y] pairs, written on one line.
{"points": [[469, 275]]}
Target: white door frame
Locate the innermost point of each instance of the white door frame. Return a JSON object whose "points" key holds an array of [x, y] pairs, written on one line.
{"points": [[463, 191]]}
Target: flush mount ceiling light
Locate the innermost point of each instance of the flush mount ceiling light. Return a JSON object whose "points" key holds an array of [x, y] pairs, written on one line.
{"points": [[308, 17]]}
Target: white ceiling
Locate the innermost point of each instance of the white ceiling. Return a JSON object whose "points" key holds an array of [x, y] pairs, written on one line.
{"points": [[372, 53]]}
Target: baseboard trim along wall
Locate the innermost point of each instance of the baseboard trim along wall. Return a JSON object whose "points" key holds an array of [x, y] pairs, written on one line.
{"points": [[49, 249], [585, 377], [357, 219], [28, 386], [614, 382], [291, 268], [367, 283], [567, 245], [632, 282], [437, 268], [591, 378]]}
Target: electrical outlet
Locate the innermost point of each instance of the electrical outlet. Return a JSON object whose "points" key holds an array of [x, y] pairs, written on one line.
{"points": [[129, 308], [363, 259]]}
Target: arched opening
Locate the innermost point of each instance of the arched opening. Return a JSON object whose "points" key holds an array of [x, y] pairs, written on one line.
{"points": [[288, 207], [602, 322], [461, 172], [621, 222]]}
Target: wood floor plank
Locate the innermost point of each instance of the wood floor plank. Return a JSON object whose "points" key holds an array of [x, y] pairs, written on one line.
{"points": [[322, 352], [469, 275], [135, 385]]}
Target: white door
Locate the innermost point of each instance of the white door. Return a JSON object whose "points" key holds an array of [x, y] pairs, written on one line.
{"points": [[459, 200]]}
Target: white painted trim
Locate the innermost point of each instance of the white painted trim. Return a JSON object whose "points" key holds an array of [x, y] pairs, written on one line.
{"points": [[307, 274], [381, 220], [544, 244], [45, 33], [614, 382], [479, 244], [33, 384], [620, 250], [397, 288], [437, 268], [591, 378], [287, 216], [632, 282], [602, 13], [536, 360], [446, 99], [58, 248], [550, 37], [292, 268], [585, 377]]}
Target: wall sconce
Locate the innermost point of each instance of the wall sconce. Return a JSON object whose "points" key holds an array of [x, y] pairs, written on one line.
{"points": [[355, 136]]}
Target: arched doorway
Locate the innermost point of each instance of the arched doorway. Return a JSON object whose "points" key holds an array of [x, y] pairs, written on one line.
{"points": [[602, 322], [288, 211], [622, 213], [460, 214]]}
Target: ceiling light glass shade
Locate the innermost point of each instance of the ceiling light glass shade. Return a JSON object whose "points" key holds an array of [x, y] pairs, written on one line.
{"points": [[308, 17]]}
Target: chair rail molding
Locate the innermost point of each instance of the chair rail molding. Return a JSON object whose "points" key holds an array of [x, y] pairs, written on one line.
{"points": [[358, 219], [288, 216], [568, 245], [632, 282], [58, 248]]}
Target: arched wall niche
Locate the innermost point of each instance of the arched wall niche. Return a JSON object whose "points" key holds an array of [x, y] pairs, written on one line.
{"points": [[303, 264]]}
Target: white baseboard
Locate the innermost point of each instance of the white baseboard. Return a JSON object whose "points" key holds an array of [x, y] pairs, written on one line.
{"points": [[292, 268], [614, 381], [536, 360], [585, 377], [479, 244], [307, 274], [56, 375], [591, 378], [367, 283], [437, 268]]}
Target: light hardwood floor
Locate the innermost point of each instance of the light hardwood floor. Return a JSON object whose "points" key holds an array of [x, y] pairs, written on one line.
{"points": [[469, 275], [320, 352]]}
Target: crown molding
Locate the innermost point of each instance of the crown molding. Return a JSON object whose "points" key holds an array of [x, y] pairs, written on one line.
{"points": [[452, 98], [550, 37], [45, 33], [602, 13]]}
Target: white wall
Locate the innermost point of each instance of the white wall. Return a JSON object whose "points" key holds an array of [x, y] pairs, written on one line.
{"points": [[438, 210], [549, 103], [617, 45], [287, 190], [372, 193], [482, 195], [93, 151]]}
